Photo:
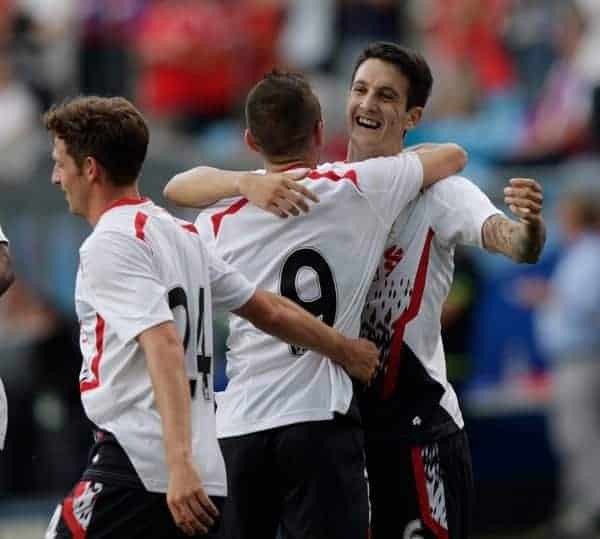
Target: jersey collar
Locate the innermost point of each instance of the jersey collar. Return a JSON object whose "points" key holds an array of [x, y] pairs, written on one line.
{"points": [[126, 201]]}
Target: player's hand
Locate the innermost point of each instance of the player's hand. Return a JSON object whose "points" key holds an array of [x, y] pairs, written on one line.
{"points": [[525, 197], [361, 360], [192, 509], [278, 193]]}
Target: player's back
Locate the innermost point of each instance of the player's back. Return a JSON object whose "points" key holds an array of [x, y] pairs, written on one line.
{"points": [[325, 262], [141, 267]]}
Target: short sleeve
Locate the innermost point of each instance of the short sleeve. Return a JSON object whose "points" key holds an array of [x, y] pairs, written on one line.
{"points": [[125, 286], [390, 183], [230, 289], [458, 210], [3, 238]]}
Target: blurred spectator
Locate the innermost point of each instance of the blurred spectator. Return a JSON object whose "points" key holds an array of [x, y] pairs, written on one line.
{"points": [[308, 38], [529, 34], [361, 21], [45, 47], [199, 58], [559, 123], [569, 330], [39, 353], [107, 28], [19, 143]]}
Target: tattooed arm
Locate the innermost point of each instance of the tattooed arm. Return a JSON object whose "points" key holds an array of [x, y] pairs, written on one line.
{"points": [[521, 240]]}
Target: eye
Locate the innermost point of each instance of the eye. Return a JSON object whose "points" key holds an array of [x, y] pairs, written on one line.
{"points": [[359, 90]]}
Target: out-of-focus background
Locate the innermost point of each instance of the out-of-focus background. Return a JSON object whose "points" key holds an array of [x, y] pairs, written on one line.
{"points": [[517, 83]]}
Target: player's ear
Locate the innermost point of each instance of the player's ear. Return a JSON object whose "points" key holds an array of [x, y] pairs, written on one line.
{"points": [[414, 117], [91, 168], [251, 141]]}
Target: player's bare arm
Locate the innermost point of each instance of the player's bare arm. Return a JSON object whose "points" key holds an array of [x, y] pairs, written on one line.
{"points": [[521, 240], [287, 321], [6, 272], [277, 192], [192, 509], [440, 161]]}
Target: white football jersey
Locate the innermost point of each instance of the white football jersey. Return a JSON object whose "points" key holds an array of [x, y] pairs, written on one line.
{"points": [[138, 268], [3, 399], [3, 238], [412, 397], [324, 261]]}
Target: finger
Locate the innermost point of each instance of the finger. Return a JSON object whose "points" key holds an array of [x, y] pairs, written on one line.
{"points": [[181, 517], [526, 182], [286, 206], [304, 191], [297, 175], [196, 507], [524, 193], [296, 200], [272, 208], [523, 203], [208, 504]]}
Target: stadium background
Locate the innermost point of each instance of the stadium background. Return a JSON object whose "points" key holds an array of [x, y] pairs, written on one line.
{"points": [[516, 83]]}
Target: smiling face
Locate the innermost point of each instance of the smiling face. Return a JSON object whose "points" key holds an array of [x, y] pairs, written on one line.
{"points": [[377, 113], [70, 178]]}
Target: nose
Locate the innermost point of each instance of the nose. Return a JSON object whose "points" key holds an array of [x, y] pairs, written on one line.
{"points": [[368, 102], [55, 179]]}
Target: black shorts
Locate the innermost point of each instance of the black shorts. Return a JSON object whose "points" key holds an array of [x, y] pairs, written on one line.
{"points": [[420, 491], [110, 502], [306, 479]]}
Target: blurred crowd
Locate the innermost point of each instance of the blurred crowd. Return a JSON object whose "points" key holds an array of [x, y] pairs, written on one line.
{"points": [[517, 83], [524, 70]]}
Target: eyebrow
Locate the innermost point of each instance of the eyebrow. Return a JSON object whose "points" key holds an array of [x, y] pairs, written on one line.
{"points": [[379, 88]]}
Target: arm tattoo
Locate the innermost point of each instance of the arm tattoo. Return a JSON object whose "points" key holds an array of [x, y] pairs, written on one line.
{"points": [[519, 241]]}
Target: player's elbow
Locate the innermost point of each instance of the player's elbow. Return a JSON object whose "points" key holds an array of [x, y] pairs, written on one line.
{"points": [[170, 191], [459, 158]]}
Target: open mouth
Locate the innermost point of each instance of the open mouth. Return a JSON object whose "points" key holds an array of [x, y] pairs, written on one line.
{"points": [[367, 123]]}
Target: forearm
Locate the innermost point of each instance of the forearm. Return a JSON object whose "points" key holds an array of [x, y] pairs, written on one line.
{"points": [[440, 161], [173, 400], [522, 242], [6, 273], [285, 320], [202, 186]]}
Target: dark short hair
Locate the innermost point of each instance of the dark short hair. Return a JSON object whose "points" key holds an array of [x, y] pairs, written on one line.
{"points": [[281, 113], [409, 63], [109, 129]]}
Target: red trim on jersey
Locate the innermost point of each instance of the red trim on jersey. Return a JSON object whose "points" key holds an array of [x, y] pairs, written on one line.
{"points": [[126, 201], [86, 385], [190, 228], [331, 175], [140, 222], [424, 505], [234, 208], [69, 515], [393, 364]]}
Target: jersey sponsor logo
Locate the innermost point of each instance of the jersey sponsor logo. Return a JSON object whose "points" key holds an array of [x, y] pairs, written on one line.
{"points": [[79, 507], [392, 257], [90, 376], [393, 364]]}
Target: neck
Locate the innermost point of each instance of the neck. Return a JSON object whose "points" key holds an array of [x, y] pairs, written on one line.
{"points": [[288, 165], [106, 197], [356, 153]]}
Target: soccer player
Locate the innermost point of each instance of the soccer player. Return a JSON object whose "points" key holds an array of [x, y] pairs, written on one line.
{"points": [[6, 279], [418, 460], [145, 290], [289, 426]]}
